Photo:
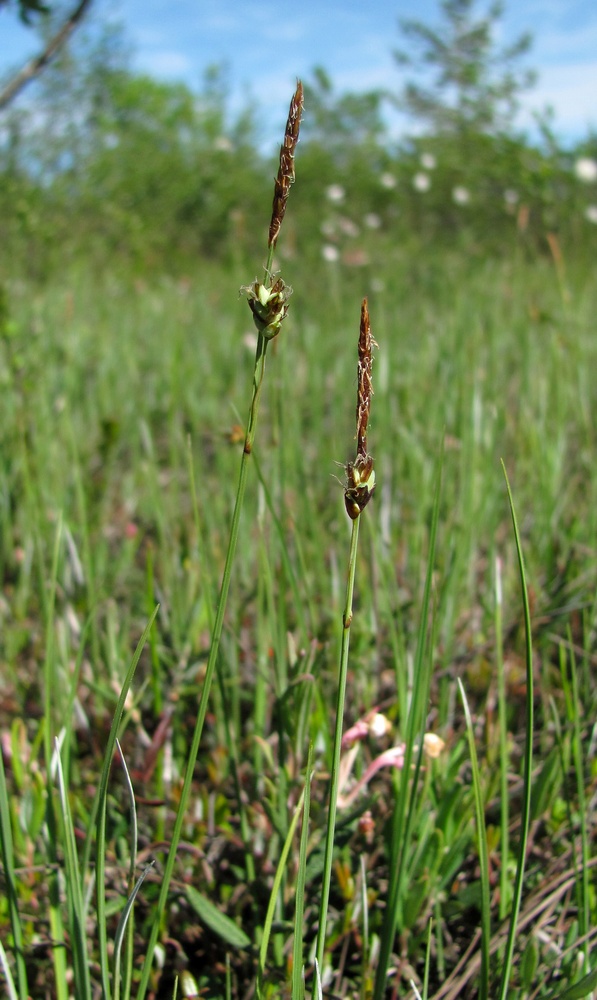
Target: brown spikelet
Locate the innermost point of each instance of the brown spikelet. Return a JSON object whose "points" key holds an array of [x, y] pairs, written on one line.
{"points": [[365, 386], [286, 170], [360, 474]]}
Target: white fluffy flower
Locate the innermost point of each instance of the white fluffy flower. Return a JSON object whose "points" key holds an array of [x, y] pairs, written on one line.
{"points": [[223, 144], [335, 193], [421, 182], [379, 726], [348, 227], [591, 214], [330, 253], [428, 161], [372, 220], [433, 745], [461, 195], [387, 181], [510, 197], [586, 169], [328, 228]]}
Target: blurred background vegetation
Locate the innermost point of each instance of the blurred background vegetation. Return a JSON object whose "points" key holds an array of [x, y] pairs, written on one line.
{"points": [[100, 162]]}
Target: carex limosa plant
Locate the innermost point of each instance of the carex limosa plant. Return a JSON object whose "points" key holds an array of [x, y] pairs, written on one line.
{"points": [[268, 301], [359, 488]]}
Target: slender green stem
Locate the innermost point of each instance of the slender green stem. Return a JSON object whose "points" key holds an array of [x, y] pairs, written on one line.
{"points": [[504, 753], [333, 795], [211, 663], [269, 263], [525, 816], [583, 881], [483, 852]]}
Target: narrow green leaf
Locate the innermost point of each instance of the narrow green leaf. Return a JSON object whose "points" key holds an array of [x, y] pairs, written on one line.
{"points": [[10, 986], [101, 814], [217, 921], [298, 979], [73, 888], [7, 853], [404, 808], [483, 853], [579, 990], [528, 760], [269, 917]]}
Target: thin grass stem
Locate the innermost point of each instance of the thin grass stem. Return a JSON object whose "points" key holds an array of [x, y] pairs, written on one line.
{"points": [[503, 742], [483, 852], [577, 754], [7, 854], [298, 973], [271, 909], [335, 774], [528, 759], [404, 809]]}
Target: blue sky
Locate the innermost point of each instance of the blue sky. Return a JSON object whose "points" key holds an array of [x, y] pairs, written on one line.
{"points": [[266, 45]]}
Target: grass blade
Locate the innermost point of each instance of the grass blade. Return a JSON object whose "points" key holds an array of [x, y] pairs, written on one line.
{"points": [[124, 921], [74, 892], [7, 850], [298, 978], [528, 759], [269, 918], [102, 803], [337, 747], [483, 853], [503, 744], [404, 808], [217, 921], [579, 990], [10, 986]]}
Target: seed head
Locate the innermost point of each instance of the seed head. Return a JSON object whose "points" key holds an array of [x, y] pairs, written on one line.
{"points": [[360, 475], [286, 169], [365, 386]]}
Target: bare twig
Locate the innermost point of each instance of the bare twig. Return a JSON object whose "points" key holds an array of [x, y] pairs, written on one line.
{"points": [[34, 67]]}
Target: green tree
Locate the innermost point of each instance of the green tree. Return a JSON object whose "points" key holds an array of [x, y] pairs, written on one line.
{"points": [[465, 81], [343, 140], [340, 120]]}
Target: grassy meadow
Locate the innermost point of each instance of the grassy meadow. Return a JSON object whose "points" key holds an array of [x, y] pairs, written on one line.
{"points": [[122, 412]]}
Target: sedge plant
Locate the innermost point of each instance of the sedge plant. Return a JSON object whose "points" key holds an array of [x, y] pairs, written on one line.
{"points": [[360, 485], [268, 301]]}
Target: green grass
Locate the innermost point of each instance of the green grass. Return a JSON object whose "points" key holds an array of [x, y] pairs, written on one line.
{"points": [[119, 458]]}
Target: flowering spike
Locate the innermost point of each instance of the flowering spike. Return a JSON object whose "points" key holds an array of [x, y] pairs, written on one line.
{"points": [[286, 169], [365, 386], [360, 475]]}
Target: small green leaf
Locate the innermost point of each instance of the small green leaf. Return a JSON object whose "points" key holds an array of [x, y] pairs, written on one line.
{"points": [[579, 990], [546, 784], [217, 921], [528, 964]]}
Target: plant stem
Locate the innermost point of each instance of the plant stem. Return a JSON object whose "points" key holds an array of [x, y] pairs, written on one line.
{"points": [[333, 794]]}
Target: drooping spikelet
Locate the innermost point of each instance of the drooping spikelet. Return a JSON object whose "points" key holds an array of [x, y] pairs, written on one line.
{"points": [[360, 475], [286, 170]]}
